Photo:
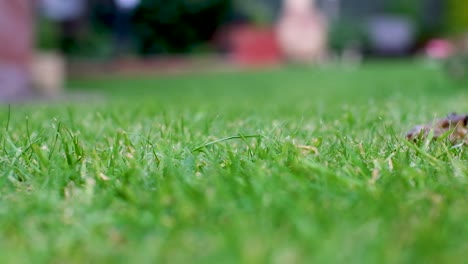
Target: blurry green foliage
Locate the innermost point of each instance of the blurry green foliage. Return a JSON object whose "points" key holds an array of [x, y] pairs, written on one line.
{"points": [[90, 38], [345, 33], [177, 26], [46, 35], [257, 12], [457, 16], [409, 8]]}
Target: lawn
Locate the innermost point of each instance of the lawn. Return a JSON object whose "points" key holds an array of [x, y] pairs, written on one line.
{"points": [[293, 165]]}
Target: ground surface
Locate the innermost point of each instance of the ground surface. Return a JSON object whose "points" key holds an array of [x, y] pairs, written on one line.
{"points": [[326, 179]]}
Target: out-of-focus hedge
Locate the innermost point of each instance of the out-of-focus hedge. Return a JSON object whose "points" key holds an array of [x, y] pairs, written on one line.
{"points": [[159, 26], [177, 26], [457, 16]]}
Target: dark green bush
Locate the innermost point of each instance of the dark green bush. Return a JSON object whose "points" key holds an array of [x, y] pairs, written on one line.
{"points": [[177, 26], [347, 33], [46, 35]]}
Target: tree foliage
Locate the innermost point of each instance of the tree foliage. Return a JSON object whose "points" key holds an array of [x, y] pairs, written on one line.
{"points": [[177, 26]]}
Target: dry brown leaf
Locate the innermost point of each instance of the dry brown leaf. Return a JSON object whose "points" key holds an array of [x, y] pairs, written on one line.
{"points": [[453, 123]]}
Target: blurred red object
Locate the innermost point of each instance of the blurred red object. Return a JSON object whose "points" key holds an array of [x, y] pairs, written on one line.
{"points": [[254, 46], [439, 49]]}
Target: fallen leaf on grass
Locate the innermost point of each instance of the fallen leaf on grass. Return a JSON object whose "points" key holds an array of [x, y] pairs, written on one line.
{"points": [[308, 149], [454, 124]]}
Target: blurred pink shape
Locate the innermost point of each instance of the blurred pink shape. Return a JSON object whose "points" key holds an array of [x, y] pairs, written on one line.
{"points": [[16, 48], [439, 49], [302, 31], [16, 34]]}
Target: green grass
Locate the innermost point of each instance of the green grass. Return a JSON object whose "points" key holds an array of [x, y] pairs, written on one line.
{"points": [[140, 175]]}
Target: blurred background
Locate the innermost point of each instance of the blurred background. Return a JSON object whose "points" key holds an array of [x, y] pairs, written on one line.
{"points": [[56, 38]]}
